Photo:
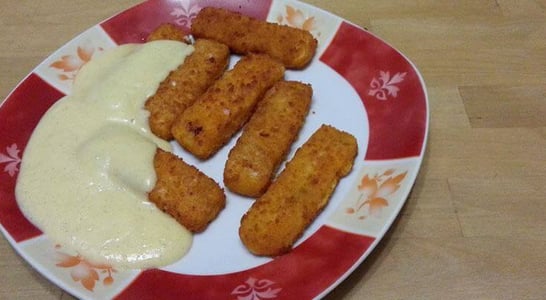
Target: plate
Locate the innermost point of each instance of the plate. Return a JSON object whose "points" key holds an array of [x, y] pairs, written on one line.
{"points": [[361, 85]]}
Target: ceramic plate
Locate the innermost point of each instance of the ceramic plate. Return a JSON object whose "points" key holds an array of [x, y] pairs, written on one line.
{"points": [[361, 85]]}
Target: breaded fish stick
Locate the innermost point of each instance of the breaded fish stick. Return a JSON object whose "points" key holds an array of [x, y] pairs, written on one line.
{"points": [[166, 31], [267, 138], [292, 46], [185, 84], [222, 110], [278, 218], [185, 193]]}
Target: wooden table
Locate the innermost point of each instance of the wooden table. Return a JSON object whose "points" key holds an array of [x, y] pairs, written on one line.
{"points": [[474, 225]]}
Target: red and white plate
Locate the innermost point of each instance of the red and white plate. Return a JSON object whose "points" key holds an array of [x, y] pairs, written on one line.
{"points": [[361, 85]]}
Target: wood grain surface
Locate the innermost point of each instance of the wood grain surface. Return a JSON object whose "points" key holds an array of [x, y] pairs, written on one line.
{"points": [[474, 226]]}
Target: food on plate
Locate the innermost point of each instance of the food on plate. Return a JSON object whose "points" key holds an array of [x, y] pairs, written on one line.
{"points": [[267, 137], [166, 31], [88, 166], [185, 84], [223, 109], [278, 218], [129, 201], [185, 193], [292, 46]]}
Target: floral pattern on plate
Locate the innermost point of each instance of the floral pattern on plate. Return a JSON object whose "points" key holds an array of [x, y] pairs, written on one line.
{"points": [[83, 279], [385, 86], [61, 67], [254, 289], [68, 65], [375, 191], [11, 158], [83, 271], [377, 195]]}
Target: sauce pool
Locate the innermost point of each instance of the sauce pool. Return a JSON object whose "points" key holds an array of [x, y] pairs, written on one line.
{"points": [[88, 167]]}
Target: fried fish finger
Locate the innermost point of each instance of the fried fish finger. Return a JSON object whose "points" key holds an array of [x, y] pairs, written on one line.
{"points": [[267, 138], [185, 193], [222, 110], [278, 218], [185, 84], [166, 31], [292, 46]]}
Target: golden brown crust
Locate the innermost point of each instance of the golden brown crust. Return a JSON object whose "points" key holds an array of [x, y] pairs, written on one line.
{"points": [[222, 110], [267, 138], [185, 193], [278, 218], [185, 84], [166, 31], [292, 46]]}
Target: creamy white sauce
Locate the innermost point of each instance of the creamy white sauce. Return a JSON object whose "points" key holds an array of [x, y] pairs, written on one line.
{"points": [[88, 167]]}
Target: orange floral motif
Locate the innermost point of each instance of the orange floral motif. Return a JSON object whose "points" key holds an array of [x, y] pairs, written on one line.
{"points": [[374, 192], [83, 271], [69, 65], [296, 18]]}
